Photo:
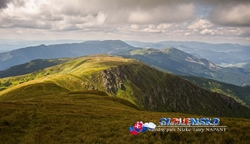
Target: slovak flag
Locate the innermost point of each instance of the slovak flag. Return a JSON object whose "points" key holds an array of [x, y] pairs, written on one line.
{"points": [[137, 128]]}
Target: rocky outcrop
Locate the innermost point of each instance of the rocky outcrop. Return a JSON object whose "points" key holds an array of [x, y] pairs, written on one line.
{"points": [[112, 80]]}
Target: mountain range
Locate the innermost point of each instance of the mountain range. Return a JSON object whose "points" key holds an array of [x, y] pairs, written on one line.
{"points": [[220, 54], [178, 62], [20, 56], [170, 60]]}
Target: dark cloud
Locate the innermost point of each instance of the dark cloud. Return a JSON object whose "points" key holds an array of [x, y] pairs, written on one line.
{"points": [[162, 11], [217, 2], [133, 11], [221, 12], [3, 3], [177, 18], [231, 14], [155, 3]]}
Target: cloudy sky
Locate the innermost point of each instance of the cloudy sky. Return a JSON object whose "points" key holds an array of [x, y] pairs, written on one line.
{"points": [[216, 21]]}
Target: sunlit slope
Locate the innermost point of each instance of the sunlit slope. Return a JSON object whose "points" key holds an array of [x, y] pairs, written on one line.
{"points": [[74, 75], [145, 87]]}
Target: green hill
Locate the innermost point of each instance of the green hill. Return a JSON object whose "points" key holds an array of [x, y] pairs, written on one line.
{"points": [[145, 87]]}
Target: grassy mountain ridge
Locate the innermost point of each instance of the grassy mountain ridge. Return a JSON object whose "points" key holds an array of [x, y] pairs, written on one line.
{"points": [[145, 87]]}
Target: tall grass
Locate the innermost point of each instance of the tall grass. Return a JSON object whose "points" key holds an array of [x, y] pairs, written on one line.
{"points": [[93, 117]]}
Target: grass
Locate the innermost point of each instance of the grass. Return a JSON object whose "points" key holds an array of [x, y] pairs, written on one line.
{"points": [[94, 117], [81, 66]]}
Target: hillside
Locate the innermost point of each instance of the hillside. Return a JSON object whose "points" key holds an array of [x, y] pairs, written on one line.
{"points": [[240, 94], [145, 87], [31, 66], [23, 55], [178, 62]]}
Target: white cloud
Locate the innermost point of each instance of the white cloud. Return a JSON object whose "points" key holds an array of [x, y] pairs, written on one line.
{"points": [[134, 27], [200, 24], [207, 31], [100, 19], [19, 32], [151, 29], [139, 17], [164, 26]]}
